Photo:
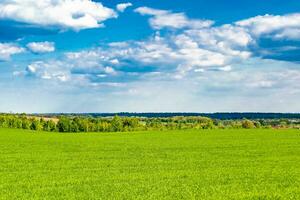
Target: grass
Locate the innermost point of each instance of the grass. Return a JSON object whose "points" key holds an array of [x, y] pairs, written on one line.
{"points": [[215, 164]]}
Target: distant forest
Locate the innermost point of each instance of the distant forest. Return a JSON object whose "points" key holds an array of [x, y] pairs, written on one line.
{"points": [[220, 116]]}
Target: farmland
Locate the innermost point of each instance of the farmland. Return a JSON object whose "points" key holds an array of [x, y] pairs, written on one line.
{"points": [[187, 164]]}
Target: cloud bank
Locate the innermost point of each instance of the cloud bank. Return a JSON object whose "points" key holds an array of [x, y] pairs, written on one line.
{"points": [[195, 48]]}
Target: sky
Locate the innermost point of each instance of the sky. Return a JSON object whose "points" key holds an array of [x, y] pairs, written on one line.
{"points": [[149, 56]]}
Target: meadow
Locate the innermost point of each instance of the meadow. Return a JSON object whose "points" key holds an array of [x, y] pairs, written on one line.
{"points": [[189, 164]]}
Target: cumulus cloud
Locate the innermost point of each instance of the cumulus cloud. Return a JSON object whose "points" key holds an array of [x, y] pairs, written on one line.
{"points": [[191, 52], [41, 47], [176, 55], [51, 70], [167, 57], [280, 27], [123, 6], [8, 49], [166, 19], [163, 54], [215, 67], [65, 14], [273, 26], [84, 69], [188, 51], [236, 41]]}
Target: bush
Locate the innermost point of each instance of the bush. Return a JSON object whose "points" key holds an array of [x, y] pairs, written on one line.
{"points": [[247, 124]]}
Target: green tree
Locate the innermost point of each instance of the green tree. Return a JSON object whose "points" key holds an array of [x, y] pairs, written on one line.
{"points": [[130, 123], [247, 124], [26, 124], [49, 126], [64, 124], [116, 124], [36, 125]]}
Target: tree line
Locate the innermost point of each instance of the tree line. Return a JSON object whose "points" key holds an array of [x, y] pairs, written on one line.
{"points": [[221, 116], [119, 124]]}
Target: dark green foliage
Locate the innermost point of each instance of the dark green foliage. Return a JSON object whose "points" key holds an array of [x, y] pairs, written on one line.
{"points": [[36, 125], [49, 126], [64, 124]]}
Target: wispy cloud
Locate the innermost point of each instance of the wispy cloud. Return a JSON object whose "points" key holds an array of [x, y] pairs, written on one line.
{"points": [[166, 19], [9, 49]]}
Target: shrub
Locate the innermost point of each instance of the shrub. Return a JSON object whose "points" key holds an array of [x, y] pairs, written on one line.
{"points": [[247, 124]]}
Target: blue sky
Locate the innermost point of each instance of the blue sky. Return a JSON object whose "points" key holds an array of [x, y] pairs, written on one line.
{"points": [[149, 56]]}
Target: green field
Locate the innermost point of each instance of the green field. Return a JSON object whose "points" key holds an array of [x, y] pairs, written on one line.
{"points": [[212, 164]]}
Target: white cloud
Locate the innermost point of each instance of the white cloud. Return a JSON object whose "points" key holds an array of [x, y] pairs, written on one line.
{"points": [[8, 49], [226, 68], [175, 55], [151, 11], [115, 62], [51, 70], [273, 26], [165, 19], [41, 47], [281, 26], [289, 33], [217, 68], [109, 70], [188, 51], [123, 6], [269, 89], [80, 68], [222, 37], [65, 14]]}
